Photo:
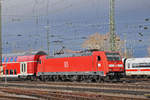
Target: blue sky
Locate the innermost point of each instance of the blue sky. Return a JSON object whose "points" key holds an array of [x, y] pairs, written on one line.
{"points": [[70, 22]]}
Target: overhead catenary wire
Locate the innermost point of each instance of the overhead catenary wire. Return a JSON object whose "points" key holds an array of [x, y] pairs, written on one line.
{"points": [[76, 27]]}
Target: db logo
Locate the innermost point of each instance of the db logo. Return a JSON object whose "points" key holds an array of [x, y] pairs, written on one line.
{"points": [[66, 65]]}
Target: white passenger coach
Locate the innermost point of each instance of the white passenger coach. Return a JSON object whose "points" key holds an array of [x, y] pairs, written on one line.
{"points": [[137, 66]]}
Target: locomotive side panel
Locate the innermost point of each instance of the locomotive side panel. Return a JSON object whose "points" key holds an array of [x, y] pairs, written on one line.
{"points": [[68, 65]]}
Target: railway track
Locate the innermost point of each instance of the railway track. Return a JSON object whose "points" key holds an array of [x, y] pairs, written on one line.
{"points": [[54, 95], [132, 86], [81, 87], [60, 95], [84, 88]]}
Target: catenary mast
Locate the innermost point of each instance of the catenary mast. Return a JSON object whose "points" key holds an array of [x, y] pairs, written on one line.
{"points": [[112, 26], [0, 33], [47, 28]]}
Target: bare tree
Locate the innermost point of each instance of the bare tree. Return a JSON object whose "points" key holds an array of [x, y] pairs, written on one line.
{"points": [[101, 42]]}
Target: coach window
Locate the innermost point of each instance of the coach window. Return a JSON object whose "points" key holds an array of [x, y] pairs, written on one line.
{"points": [[3, 59], [24, 67], [15, 59], [128, 65], [11, 72], [7, 59], [15, 72], [11, 59], [7, 72], [98, 58]]}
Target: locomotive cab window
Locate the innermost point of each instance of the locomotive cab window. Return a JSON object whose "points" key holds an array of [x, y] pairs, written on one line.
{"points": [[98, 58], [15, 72], [113, 56]]}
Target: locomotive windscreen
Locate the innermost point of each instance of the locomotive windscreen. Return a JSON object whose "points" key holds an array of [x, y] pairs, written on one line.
{"points": [[113, 56]]}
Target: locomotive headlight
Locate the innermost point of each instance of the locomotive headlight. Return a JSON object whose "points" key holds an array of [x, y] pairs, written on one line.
{"points": [[111, 65], [120, 65], [110, 69], [121, 69]]}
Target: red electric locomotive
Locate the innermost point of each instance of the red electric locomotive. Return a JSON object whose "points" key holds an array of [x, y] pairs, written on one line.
{"points": [[93, 67]]}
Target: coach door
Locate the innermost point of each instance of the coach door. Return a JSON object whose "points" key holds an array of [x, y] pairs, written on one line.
{"points": [[23, 68]]}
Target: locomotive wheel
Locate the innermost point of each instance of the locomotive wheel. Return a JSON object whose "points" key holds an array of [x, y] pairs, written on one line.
{"points": [[56, 78], [32, 78], [63, 78], [88, 78], [106, 79], [83, 78], [73, 78], [28, 77], [42, 78], [98, 79], [70, 78], [50, 78], [80, 78], [102, 79]]}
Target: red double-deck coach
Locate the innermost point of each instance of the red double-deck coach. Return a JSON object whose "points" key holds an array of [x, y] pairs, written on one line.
{"points": [[21, 65]]}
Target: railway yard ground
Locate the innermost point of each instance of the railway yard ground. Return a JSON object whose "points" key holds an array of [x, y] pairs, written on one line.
{"points": [[38, 90]]}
